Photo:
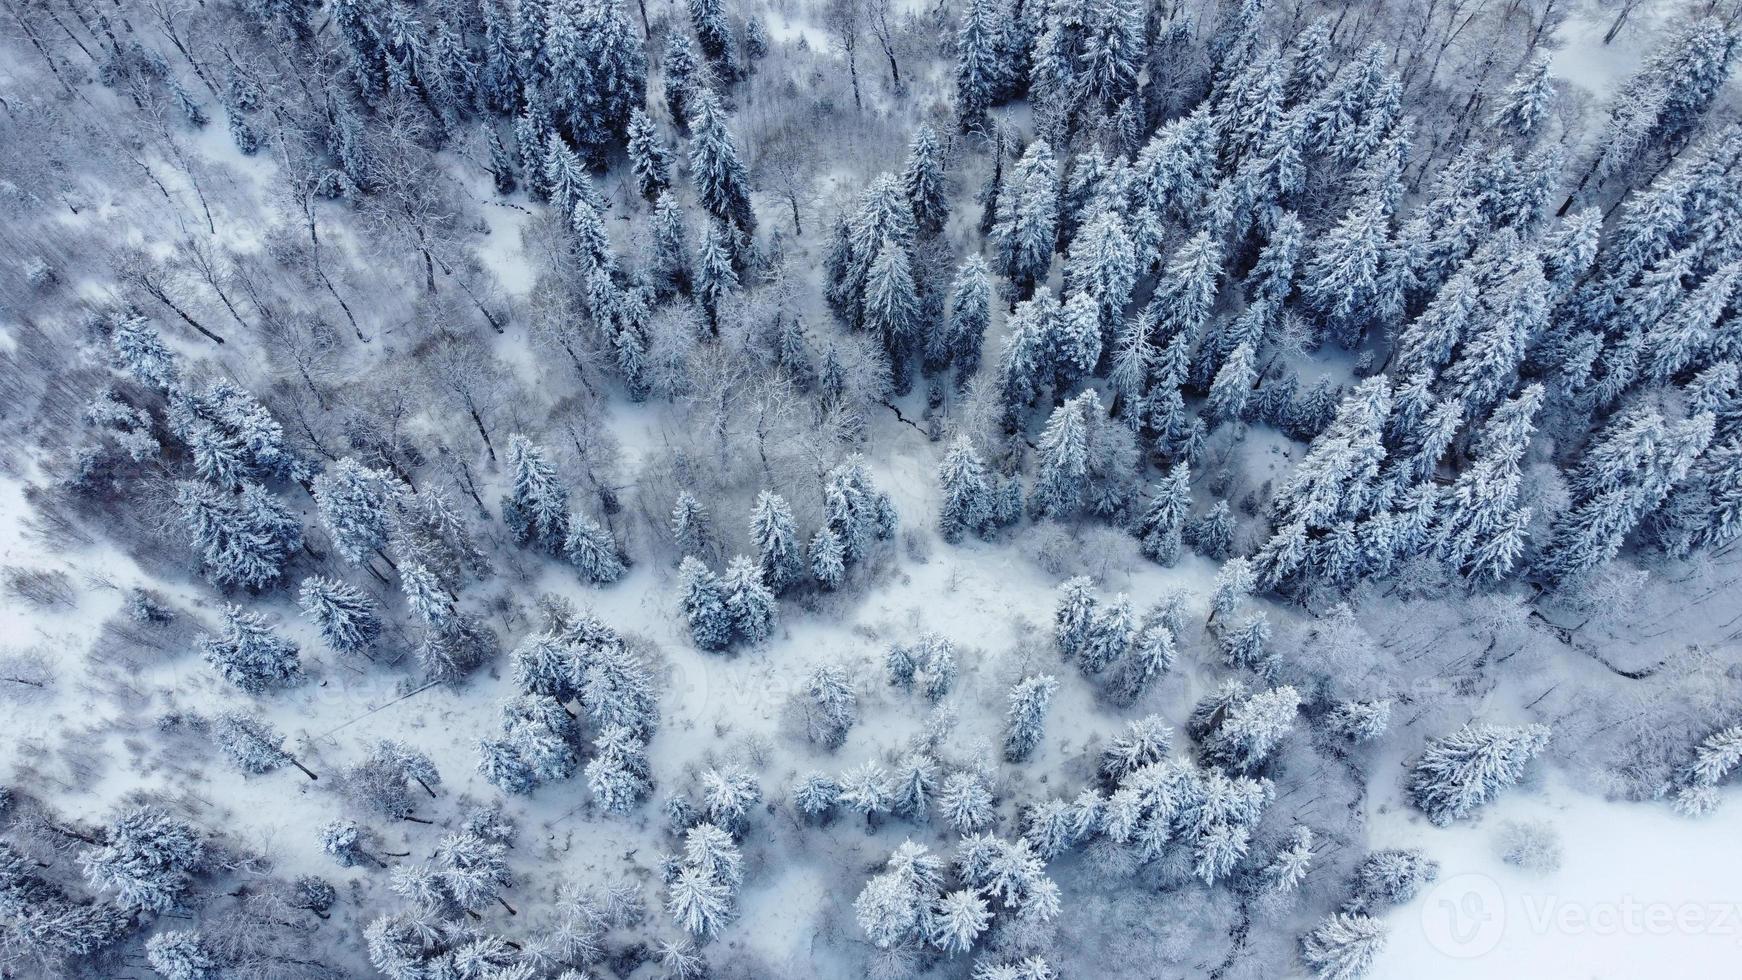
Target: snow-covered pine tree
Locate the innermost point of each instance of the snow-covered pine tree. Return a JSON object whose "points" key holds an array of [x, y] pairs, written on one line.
{"points": [[816, 795], [345, 616], [251, 744], [779, 550], [923, 180], [966, 802], [181, 954], [148, 859], [831, 706], [892, 309], [750, 604], [1247, 645], [960, 342], [648, 156], [828, 558], [355, 504], [1481, 529], [1343, 946], [722, 184], [1026, 718], [1525, 105], [692, 529], [592, 550], [981, 72], [250, 653], [1027, 229], [967, 493], [672, 270], [1252, 728], [704, 603], [716, 279], [594, 73], [1360, 721], [242, 539], [1464, 770], [1108, 636], [536, 507], [865, 790], [1158, 530]]}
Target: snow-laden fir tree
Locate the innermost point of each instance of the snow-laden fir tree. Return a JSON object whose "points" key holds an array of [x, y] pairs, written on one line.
{"points": [[828, 558], [1108, 635], [981, 71], [958, 919], [346, 617], [778, 548], [895, 906], [537, 745], [474, 870], [1388, 878], [716, 279], [1624, 475], [750, 604], [1074, 615], [704, 605], [1075, 343], [923, 180], [913, 784], [381, 782], [816, 795], [592, 550], [960, 342], [1027, 229], [965, 801], [722, 185], [148, 860], [249, 653], [1292, 861], [1527, 102], [892, 309], [1360, 721], [831, 706], [1158, 529], [242, 539], [1343, 946], [1249, 729], [1025, 719], [714, 33], [251, 744], [137, 348], [1247, 645], [619, 774], [671, 268], [1481, 528], [355, 504], [648, 156], [1464, 770], [865, 790], [536, 507], [1061, 481], [691, 526], [594, 72], [968, 505], [181, 954], [1150, 655]]}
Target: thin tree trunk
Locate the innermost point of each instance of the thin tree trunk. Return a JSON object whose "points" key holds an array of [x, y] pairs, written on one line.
{"points": [[505, 905], [305, 769], [163, 298]]}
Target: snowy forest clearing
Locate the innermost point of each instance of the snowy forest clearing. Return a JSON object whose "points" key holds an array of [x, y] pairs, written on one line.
{"points": [[1638, 893]]}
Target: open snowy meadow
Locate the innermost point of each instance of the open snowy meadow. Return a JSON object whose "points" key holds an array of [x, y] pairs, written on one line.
{"points": [[998, 489]]}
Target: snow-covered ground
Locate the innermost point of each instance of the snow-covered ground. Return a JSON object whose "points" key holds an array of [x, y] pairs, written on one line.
{"points": [[1641, 892]]}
